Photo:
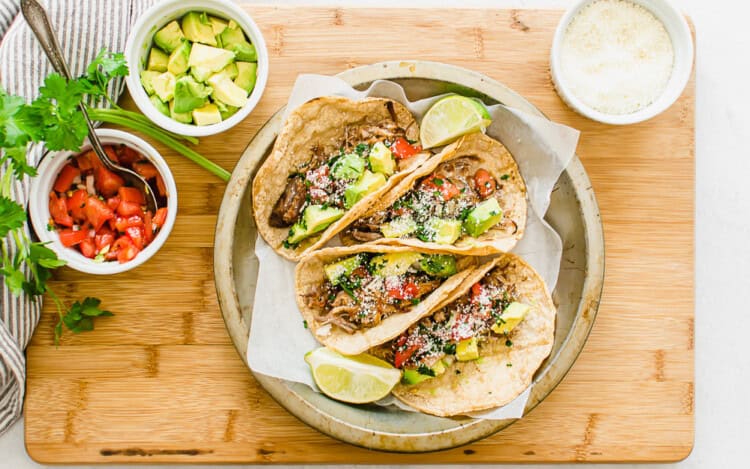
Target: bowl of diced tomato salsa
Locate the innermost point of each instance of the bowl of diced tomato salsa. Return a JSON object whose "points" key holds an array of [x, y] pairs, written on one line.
{"points": [[91, 217]]}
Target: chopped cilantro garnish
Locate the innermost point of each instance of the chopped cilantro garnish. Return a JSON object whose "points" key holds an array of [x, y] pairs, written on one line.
{"points": [[415, 301], [505, 177], [449, 349], [508, 343], [425, 370], [304, 323], [437, 181], [361, 148]]}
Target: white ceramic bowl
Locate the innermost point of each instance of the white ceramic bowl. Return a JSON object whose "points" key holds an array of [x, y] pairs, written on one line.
{"points": [[140, 40], [41, 186], [682, 44]]}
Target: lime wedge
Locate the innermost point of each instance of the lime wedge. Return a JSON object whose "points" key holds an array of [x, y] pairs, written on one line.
{"points": [[355, 379], [452, 117]]}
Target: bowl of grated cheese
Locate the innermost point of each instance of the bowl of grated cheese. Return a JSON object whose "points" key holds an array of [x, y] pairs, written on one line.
{"points": [[621, 61]]}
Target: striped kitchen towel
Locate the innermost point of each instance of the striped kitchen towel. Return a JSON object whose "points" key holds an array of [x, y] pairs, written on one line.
{"points": [[83, 28]]}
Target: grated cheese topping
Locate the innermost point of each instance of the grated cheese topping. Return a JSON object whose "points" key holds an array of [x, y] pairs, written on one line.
{"points": [[616, 56]]}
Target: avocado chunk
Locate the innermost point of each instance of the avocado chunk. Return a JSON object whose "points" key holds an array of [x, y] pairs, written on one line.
{"points": [[189, 94], [232, 35], [147, 77], [178, 59], [246, 75], [381, 159], [157, 60], [393, 263], [438, 265], [230, 70], [207, 115], [184, 117], [211, 58], [159, 105], [226, 91], [244, 51], [197, 28], [297, 233], [483, 217], [467, 350], [438, 368], [169, 37], [200, 74], [316, 218], [217, 24], [164, 85], [349, 166], [412, 377], [337, 270], [368, 183], [226, 110], [512, 315], [398, 227], [444, 231]]}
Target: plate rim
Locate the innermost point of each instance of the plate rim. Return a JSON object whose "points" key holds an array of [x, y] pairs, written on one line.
{"points": [[467, 430]]}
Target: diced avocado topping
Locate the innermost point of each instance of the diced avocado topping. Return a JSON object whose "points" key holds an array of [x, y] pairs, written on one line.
{"points": [[318, 217], [444, 231], [297, 233], [189, 94], [381, 159], [368, 183], [244, 51], [184, 117], [200, 74], [247, 74], [217, 24], [231, 70], [164, 85], [393, 263], [178, 59], [197, 28], [512, 315], [157, 60], [483, 217], [226, 91], [414, 377], [398, 227], [159, 105], [209, 58], [207, 115], [232, 35], [226, 110], [169, 37], [337, 270], [146, 78], [349, 166], [467, 350], [439, 265], [423, 373]]}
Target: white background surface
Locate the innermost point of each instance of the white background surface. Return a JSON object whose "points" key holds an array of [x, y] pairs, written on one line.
{"points": [[722, 230]]}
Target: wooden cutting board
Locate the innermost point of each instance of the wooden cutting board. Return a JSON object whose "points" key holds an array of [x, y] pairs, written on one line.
{"points": [[161, 382]]}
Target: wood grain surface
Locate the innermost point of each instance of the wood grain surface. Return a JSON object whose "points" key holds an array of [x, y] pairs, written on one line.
{"points": [[161, 382]]}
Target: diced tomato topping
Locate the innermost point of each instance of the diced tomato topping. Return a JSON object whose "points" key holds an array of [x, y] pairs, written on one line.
{"points": [[135, 233], [128, 209], [123, 223], [160, 186], [407, 291], [145, 169], [476, 292], [447, 189], [77, 203], [97, 212], [84, 161], [88, 248], [160, 217], [58, 208], [104, 237], [111, 153], [461, 328], [148, 228], [402, 149], [127, 156], [402, 356], [113, 202], [65, 178], [131, 194], [125, 248], [485, 183], [71, 237], [107, 183]]}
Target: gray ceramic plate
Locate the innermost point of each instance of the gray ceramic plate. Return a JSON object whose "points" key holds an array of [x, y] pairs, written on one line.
{"points": [[573, 213]]}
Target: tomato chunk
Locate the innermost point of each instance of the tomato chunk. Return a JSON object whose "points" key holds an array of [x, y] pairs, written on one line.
{"points": [[111, 153], [485, 183], [107, 183], [125, 249], [145, 169], [407, 291], [113, 202], [104, 237], [128, 209], [402, 356], [123, 223], [402, 149], [131, 194], [135, 233], [97, 212], [127, 156], [160, 217], [76, 205], [84, 161], [72, 237], [447, 189], [148, 228], [58, 209], [65, 178], [161, 187], [88, 248]]}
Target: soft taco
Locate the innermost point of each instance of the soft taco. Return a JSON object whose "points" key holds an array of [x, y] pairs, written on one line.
{"points": [[333, 158], [354, 298], [469, 199], [480, 348]]}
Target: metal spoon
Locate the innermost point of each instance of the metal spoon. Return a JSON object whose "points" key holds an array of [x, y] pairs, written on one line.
{"points": [[39, 22]]}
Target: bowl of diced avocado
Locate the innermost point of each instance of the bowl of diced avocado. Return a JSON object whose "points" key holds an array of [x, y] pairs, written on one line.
{"points": [[197, 67]]}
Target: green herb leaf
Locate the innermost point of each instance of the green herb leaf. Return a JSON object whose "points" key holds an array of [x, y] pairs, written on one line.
{"points": [[12, 216], [16, 156], [80, 317], [11, 132]]}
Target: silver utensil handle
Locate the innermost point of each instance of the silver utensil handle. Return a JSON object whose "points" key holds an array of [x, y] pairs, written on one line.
{"points": [[39, 23]]}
